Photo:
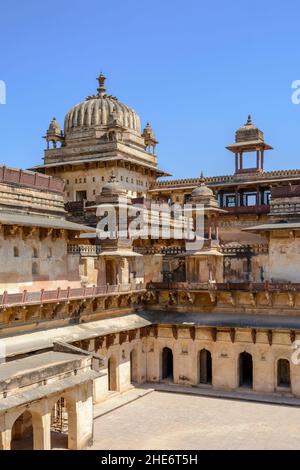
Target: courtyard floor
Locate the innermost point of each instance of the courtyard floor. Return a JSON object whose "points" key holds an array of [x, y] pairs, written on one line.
{"points": [[162, 420]]}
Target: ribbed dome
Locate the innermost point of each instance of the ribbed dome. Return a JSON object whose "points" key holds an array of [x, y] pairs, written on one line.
{"points": [[202, 190], [112, 187], [102, 110]]}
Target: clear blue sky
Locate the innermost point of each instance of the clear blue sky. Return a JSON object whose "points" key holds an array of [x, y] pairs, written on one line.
{"points": [[193, 68]]}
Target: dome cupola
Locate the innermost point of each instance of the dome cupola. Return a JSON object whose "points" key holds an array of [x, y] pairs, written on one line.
{"points": [[100, 111]]}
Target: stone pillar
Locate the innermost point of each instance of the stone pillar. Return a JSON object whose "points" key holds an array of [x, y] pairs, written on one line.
{"points": [[5, 439], [41, 432], [241, 160], [124, 371], [80, 418], [257, 196], [257, 159], [123, 271], [236, 162], [262, 160], [237, 199], [100, 388]]}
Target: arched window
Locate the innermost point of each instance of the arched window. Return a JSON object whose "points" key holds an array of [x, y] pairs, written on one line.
{"points": [[16, 252], [49, 252], [35, 253], [283, 373], [35, 269]]}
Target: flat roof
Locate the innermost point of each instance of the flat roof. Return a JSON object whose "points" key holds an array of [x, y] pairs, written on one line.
{"points": [[41, 221], [274, 226], [9, 370], [37, 393], [101, 159], [42, 339], [38, 340], [229, 320]]}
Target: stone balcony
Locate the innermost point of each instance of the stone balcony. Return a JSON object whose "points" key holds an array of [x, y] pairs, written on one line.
{"points": [[84, 250], [58, 295], [256, 209]]}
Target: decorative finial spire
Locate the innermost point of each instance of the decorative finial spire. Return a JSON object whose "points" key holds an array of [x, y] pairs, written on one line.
{"points": [[249, 120], [101, 89], [202, 179]]}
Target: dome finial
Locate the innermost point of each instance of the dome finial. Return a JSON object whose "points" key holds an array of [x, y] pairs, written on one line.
{"points": [[249, 120], [101, 89], [201, 179]]}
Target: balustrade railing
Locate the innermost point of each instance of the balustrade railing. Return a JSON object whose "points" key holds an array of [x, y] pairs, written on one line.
{"points": [[84, 249], [59, 294], [227, 286]]}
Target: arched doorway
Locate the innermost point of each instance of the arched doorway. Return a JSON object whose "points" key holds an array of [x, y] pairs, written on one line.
{"points": [[205, 364], [112, 374], [246, 370], [59, 425], [167, 364], [133, 366], [283, 373], [22, 432]]}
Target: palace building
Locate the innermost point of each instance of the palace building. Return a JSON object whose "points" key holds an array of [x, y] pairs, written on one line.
{"points": [[84, 317]]}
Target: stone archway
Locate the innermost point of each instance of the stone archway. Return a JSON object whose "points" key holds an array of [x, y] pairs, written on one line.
{"points": [[22, 432], [167, 364]]}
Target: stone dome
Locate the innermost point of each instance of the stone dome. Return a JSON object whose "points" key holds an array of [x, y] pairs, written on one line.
{"points": [[202, 191], [54, 126], [112, 187], [102, 110]]}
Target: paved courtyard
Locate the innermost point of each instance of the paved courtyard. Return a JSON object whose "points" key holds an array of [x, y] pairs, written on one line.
{"points": [[176, 421]]}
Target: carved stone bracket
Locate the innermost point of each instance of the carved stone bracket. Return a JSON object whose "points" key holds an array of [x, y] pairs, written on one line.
{"points": [[214, 334], [270, 337], [155, 331], [99, 342], [131, 335], [123, 337], [292, 335], [110, 340], [232, 334], [192, 332], [175, 331]]}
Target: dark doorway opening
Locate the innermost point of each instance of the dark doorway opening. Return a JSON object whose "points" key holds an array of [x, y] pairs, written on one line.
{"points": [[283, 373], [167, 364], [112, 374], [205, 363], [133, 366], [80, 196], [246, 370], [110, 272], [59, 425]]}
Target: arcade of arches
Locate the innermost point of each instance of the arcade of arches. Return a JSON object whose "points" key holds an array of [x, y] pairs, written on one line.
{"points": [[160, 354]]}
